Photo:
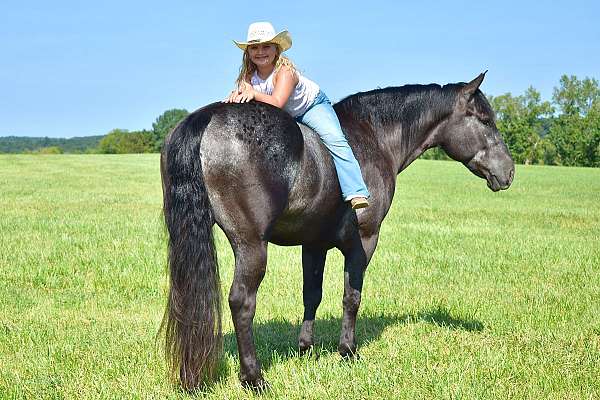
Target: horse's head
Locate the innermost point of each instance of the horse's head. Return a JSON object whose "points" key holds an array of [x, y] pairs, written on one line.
{"points": [[471, 137]]}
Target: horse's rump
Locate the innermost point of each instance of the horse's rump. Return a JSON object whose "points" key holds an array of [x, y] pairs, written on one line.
{"points": [[255, 154]]}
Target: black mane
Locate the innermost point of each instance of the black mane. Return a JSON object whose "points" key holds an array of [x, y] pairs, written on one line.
{"points": [[386, 105], [415, 105], [379, 105], [413, 108]]}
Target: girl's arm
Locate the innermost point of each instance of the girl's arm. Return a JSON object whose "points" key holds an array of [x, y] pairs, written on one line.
{"points": [[284, 82]]}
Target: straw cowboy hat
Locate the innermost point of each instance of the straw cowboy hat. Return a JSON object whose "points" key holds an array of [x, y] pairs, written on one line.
{"points": [[263, 32]]}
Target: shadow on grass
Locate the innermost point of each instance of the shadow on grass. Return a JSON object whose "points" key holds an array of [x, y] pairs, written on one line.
{"points": [[441, 316], [278, 339]]}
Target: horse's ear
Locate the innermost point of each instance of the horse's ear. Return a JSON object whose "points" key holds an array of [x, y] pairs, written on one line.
{"points": [[470, 88]]}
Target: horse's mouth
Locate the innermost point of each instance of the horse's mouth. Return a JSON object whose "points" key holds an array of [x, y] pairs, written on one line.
{"points": [[483, 170], [492, 180], [494, 184]]}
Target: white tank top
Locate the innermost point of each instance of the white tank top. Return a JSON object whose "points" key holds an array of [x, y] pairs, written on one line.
{"points": [[300, 100]]}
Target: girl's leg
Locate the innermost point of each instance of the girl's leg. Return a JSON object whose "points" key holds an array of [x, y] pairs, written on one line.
{"points": [[323, 120]]}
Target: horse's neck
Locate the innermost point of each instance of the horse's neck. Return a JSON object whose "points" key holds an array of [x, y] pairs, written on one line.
{"points": [[403, 120], [409, 136], [424, 139], [401, 144]]}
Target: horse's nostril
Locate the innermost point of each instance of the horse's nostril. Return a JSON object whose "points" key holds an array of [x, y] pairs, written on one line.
{"points": [[511, 176]]}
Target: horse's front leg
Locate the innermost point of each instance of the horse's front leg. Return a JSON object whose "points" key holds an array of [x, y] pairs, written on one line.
{"points": [[357, 258], [313, 264], [250, 266]]}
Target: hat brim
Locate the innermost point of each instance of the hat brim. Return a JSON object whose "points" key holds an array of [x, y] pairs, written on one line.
{"points": [[282, 39]]}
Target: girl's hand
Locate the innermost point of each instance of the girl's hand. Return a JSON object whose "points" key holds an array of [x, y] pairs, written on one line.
{"points": [[245, 96], [244, 86], [231, 97]]}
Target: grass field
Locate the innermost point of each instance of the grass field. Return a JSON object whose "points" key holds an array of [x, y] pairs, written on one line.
{"points": [[470, 294]]}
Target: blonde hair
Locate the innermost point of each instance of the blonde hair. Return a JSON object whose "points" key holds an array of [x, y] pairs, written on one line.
{"points": [[248, 67]]}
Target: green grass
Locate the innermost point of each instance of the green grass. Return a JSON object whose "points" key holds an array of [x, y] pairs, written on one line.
{"points": [[470, 294]]}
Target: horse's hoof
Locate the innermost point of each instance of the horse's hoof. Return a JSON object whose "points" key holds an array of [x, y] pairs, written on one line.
{"points": [[258, 385], [348, 351], [304, 347], [309, 352]]}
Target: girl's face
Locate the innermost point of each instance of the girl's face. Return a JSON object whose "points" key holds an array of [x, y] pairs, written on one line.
{"points": [[262, 54]]}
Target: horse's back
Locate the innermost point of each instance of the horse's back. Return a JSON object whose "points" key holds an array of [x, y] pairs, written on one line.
{"points": [[252, 135], [263, 170]]}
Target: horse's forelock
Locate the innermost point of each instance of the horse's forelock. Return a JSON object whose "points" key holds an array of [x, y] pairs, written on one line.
{"points": [[482, 105]]}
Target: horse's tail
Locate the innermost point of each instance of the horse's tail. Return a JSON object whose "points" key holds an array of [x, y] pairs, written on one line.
{"points": [[192, 321]]}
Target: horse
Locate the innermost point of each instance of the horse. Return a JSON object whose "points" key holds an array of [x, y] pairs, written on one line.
{"points": [[261, 177]]}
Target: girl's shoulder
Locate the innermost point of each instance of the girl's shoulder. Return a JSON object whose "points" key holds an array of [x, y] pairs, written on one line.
{"points": [[287, 68], [286, 71]]}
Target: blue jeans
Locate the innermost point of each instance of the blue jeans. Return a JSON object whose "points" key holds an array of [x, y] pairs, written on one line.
{"points": [[322, 119]]}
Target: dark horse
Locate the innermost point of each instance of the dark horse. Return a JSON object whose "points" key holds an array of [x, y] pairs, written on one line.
{"points": [[253, 171]]}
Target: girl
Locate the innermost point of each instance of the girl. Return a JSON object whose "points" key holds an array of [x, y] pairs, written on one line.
{"points": [[268, 76]]}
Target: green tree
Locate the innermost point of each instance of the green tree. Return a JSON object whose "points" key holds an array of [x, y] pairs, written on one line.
{"points": [[593, 143], [121, 141], [521, 120], [111, 142], [49, 150], [575, 133], [165, 123], [576, 97]]}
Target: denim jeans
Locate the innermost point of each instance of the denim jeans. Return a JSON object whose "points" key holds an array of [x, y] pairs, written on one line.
{"points": [[322, 119]]}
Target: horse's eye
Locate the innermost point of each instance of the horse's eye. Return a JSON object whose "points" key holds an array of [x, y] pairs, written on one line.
{"points": [[487, 122]]}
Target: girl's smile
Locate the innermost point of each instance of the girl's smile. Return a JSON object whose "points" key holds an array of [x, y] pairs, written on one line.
{"points": [[262, 55]]}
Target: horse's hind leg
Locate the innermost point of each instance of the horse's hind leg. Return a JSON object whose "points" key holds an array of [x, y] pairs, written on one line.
{"points": [[313, 264], [357, 258], [250, 267]]}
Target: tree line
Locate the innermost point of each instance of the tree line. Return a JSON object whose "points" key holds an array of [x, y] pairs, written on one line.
{"points": [[563, 131], [120, 141], [16, 144], [117, 141]]}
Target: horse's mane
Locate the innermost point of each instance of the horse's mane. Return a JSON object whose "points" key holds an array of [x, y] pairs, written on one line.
{"points": [[377, 102], [404, 89], [380, 104], [413, 105]]}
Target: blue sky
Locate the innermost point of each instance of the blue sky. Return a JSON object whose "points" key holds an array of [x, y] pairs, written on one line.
{"points": [[72, 68]]}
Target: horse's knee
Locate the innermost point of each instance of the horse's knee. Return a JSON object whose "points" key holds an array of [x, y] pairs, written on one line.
{"points": [[245, 284], [237, 298]]}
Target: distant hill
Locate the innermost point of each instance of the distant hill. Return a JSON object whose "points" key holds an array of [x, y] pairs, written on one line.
{"points": [[16, 144]]}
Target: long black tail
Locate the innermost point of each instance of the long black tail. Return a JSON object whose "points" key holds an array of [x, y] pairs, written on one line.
{"points": [[192, 322]]}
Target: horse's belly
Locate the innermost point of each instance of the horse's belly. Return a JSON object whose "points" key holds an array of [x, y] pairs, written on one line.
{"points": [[292, 230], [287, 232], [309, 218]]}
